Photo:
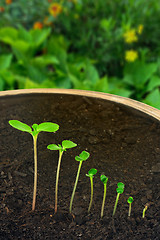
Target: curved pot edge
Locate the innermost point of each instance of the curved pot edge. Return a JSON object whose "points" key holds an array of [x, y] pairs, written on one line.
{"points": [[110, 97]]}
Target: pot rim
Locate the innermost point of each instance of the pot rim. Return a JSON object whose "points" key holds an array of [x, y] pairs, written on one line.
{"points": [[85, 93]]}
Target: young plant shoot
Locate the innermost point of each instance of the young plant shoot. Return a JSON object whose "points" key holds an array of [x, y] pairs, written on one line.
{"points": [[91, 174], [130, 200], [119, 190], [144, 210], [34, 131], [104, 180], [66, 144], [83, 156]]}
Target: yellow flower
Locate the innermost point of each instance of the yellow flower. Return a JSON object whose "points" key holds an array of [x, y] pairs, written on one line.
{"points": [[8, 1], [55, 9], [131, 55], [130, 36], [140, 29], [38, 25]]}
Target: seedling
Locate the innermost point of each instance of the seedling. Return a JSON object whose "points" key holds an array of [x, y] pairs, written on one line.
{"points": [[144, 210], [119, 190], [104, 179], [34, 131], [65, 145], [83, 156], [130, 200], [91, 174]]}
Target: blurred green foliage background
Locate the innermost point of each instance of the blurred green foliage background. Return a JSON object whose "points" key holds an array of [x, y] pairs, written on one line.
{"points": [[108, 46]]}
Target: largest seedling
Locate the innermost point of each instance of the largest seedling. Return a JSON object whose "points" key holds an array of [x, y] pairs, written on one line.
{"points": [[34, 131]]}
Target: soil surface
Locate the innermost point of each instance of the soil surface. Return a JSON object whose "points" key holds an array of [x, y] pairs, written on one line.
{"points": [[123, 144]]}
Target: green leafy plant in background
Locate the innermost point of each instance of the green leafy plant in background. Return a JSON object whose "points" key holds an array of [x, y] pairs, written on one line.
{"points": [[66, 144], [62, 53], [130, 200], [91, 174], [83, 156], [119, 190], [104, 180], [34, 131]]}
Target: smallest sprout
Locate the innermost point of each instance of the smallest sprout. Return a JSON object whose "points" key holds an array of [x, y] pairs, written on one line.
{"points": [[91, 174], [130, 200], [144, 210]]}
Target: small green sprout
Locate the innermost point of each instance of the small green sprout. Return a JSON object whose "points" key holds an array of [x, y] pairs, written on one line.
{"points": [[130, 200], [66, 144], [144, 210], [83, 156], [104, 179], [119, 190], [91, 174], [34, 131]]}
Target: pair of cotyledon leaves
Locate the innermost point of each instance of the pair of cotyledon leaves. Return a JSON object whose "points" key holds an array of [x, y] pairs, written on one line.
{"points": [[120, 188], [104, 179], [42, 127], [91, 172]]}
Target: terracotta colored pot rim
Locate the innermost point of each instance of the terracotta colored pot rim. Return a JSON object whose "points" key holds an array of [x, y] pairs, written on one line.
{"points": [[153, 112]]}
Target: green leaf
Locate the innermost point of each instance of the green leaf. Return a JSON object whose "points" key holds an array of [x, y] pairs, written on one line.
{"points": [[39, 36], [153, 98], [120, 185], [91, 172], [138, 73], [45, 60], [54, 147], [130, 200], [153, 83], [20, 126], [68, 144], [5, 61], [83, 156], [48, 127], [120, 188], [104, 179], [101, 85], [8, 34]]}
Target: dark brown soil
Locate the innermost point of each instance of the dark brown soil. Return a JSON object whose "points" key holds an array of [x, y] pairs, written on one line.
{"points": [[123, 144]]}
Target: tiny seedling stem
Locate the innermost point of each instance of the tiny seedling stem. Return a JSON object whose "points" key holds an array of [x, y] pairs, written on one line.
{"points": [[90, 204], [144, 210], [35, 172], [129, 211], [104, 198], [115, 206], [57, 178], [75, 185]]}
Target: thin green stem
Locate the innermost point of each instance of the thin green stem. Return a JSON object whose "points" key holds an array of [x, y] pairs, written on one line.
{"points": [[90, 204], [129, 212], [35, 172], [57, 179], [104, 197], [115, 206], [144, 210], [75, 185]]}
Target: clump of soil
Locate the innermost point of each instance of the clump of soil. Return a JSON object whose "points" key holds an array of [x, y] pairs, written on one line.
{"points": [[123, 143]]}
